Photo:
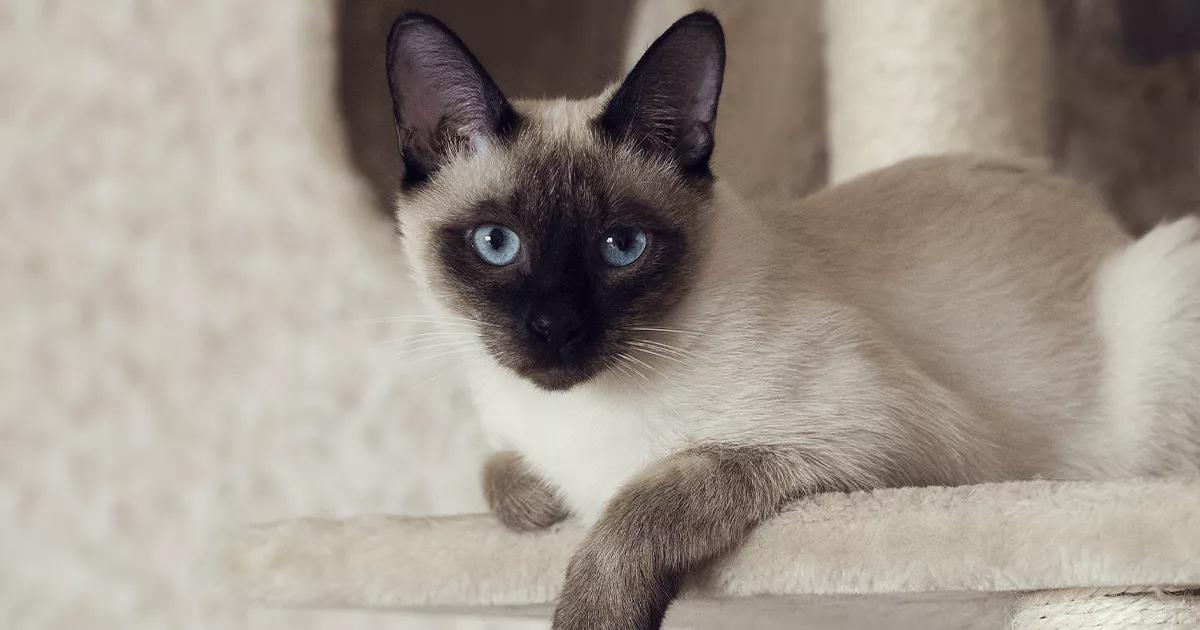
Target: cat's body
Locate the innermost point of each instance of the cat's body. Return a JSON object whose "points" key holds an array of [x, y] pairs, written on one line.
{"points": [[816, 319], [676, 362], [974, 280]]}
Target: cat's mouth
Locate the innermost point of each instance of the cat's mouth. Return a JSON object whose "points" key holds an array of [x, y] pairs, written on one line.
{"points": [[552, 366], [548, 371], [557, 378]]}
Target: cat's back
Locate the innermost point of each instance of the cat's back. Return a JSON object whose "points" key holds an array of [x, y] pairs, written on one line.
{"points": [[947, 206], [933, 229], [958, 225], [982, 271]]}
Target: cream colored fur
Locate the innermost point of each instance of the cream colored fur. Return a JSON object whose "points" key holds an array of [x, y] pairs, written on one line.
{"points": [[935, 322], [1150, 315]]}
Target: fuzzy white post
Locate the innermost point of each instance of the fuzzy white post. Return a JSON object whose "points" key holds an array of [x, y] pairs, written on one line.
{"points": [[934, 76]]}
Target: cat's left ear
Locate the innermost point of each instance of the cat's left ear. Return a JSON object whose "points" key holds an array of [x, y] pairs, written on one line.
{"points": [[667, 105], [444, 102]]}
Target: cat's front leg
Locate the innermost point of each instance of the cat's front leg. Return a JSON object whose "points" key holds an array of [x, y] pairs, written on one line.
{"points": [[521, 499], [670, 521]]}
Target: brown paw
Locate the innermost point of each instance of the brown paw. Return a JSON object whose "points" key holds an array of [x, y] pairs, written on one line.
{"points": [[517, 496], [605, 591]]}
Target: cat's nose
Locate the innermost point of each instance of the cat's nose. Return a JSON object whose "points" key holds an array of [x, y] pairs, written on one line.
{"points": [[557, 325]]}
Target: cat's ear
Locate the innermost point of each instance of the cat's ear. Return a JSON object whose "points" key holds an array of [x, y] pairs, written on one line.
{"points": [[668, 102], [444, 102]]}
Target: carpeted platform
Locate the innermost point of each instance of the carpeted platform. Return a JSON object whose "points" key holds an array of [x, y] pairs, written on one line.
{"points": [[920, 558]]}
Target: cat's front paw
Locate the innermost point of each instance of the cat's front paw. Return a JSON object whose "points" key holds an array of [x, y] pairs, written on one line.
{"points": [[600, 592], [521, 499]]}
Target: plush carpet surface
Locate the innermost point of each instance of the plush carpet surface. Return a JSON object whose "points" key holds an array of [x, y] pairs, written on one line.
{"points": [[947, 554]]}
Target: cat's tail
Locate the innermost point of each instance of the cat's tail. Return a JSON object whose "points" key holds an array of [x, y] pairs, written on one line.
{"points": [[1149, 314]]}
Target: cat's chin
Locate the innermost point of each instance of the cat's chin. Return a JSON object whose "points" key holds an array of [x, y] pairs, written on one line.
{"points": [[556, 379]]}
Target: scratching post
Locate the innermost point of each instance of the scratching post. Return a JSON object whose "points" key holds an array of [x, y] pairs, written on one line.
{"points": [[934, 76]]}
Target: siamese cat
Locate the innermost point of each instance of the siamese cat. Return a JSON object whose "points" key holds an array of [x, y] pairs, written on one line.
{"points": [[673, 363]]}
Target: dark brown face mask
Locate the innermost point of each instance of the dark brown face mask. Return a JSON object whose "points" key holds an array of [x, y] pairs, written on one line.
{"points": [[561, 268], [578, 252]]}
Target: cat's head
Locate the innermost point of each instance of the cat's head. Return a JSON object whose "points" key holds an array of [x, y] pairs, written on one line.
{"points": [[566, 228]]}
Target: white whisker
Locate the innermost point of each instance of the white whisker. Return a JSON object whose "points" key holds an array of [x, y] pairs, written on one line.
{"points": [[440, 343], [630, 364], [453, 368], [429, 319], [664, 330], [436, 355], [427, 335], [636, 348], [623, 381], [628, 369], [671, 351], [641, 362], [657, 342]]}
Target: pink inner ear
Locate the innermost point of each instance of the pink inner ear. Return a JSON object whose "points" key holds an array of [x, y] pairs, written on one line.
{"points": [[703, 104], [422, 106], [440, 84], [439, 91]]}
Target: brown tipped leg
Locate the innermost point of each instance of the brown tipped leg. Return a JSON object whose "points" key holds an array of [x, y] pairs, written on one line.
{"points": [[517, 496], [674, 519]]}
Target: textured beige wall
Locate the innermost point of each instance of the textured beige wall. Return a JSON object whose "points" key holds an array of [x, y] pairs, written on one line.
{"points": [[187, 270]]}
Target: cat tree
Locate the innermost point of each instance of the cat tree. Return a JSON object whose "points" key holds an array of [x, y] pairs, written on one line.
{"points": [[923, 76]]}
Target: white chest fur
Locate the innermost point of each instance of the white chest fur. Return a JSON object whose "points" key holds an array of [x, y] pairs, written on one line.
{"points": [[587, 441]]}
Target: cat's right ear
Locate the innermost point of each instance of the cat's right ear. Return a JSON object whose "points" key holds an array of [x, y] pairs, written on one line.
{"points": [[667, 105], [443, 101]]}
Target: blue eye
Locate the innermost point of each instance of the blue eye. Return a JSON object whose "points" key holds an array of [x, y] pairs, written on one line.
{"points": [[622, 246], [496, 244]]}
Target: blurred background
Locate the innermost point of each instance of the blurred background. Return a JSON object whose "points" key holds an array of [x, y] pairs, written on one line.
{"points": [[199, 278]]}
